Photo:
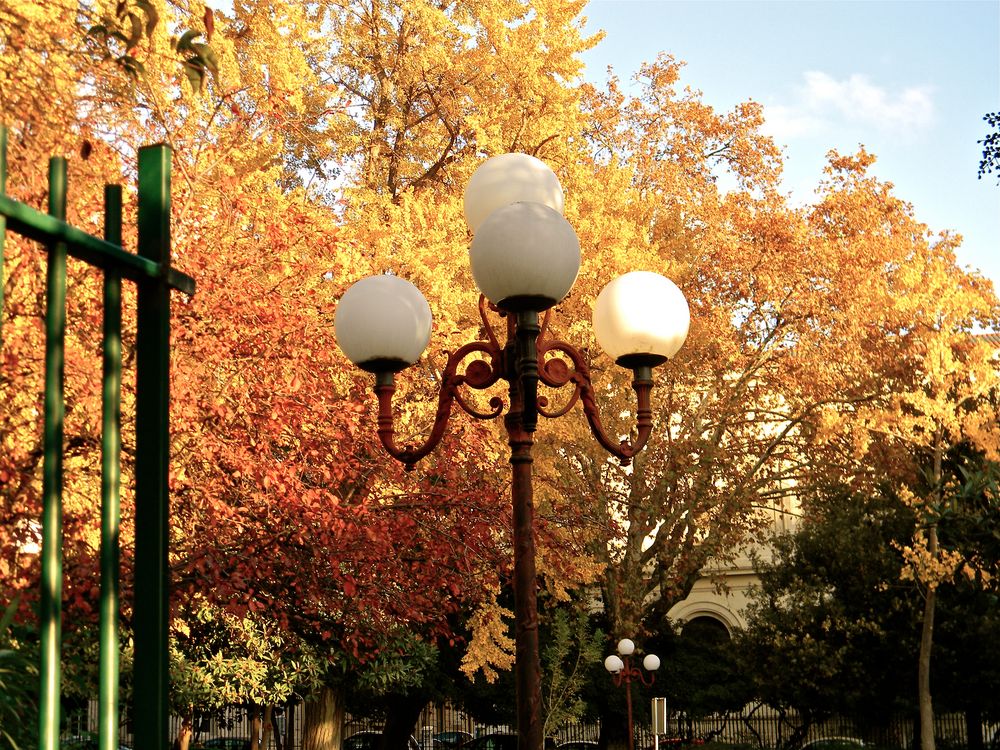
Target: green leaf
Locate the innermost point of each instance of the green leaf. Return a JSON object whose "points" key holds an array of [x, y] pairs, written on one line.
{"points": [[8, 616], [152, 16], [136, 34], [133, 67], [195, 73], [184, 43], [207, 57]]}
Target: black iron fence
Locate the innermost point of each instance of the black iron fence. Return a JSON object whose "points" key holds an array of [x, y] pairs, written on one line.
{"points": [[756, 727]]}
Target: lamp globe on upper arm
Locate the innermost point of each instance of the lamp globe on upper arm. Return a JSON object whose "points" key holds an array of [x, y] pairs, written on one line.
{"points": [[524, 255]]}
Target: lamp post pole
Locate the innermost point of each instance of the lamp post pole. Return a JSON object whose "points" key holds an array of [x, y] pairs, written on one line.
{"points": [[525, 257], [623, 672]]}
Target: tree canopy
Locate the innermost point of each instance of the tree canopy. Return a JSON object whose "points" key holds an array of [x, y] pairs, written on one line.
{"points": [[317, 143]]}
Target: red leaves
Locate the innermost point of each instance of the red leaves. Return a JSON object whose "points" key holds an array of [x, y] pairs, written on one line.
{"points": [[209, 19]]}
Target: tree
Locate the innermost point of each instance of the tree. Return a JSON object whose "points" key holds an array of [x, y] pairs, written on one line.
{"points": [[946, 400], [834, 625], [18, 690], [831, 629], [991, 146], [700, 673]]}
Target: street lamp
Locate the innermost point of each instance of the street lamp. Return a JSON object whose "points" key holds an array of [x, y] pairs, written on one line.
{"points": [[525, 257], [622, 670]]}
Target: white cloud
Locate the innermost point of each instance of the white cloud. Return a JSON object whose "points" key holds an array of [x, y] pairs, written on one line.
{"points": [[784, 122], [824, 105]]}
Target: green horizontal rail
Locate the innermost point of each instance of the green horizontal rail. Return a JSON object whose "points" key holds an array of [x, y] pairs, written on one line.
{"points": [[45, 228]]}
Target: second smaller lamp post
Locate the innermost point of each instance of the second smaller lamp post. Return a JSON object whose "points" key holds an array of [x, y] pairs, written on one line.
{"points": [[621, 669]]}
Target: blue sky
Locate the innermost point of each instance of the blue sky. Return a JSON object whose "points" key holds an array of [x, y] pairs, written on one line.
{"points": [[909, 80]]}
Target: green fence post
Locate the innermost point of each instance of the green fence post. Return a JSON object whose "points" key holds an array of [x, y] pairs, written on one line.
{"points": [[50, 604], [110, 480], [152, 457]]}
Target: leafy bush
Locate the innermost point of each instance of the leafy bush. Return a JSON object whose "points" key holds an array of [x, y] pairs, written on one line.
{"points": [[18, 687]]}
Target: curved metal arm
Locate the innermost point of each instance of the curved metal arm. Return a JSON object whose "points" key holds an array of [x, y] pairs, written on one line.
{"points": [[479, 374], [522, 360], [555, 373], [630, 673]]}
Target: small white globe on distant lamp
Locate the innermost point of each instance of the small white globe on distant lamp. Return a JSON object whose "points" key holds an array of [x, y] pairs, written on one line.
{"points": [[651, 662], [613, 664], [625, 647]]}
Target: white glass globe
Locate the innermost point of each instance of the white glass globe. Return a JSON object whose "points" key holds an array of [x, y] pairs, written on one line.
{"points": [[525, 256], [383, 323], [613, 664], [625, 647], [651, 662], [641, 318], [510, 178]]}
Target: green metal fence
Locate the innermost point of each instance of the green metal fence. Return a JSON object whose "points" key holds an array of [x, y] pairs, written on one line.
{"points": [[154, 279]]}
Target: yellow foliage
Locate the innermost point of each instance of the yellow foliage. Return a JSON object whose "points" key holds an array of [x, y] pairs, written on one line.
{"points": [[490, 649]]}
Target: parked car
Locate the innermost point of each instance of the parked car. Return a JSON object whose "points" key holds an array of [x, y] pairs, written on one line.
{"points": [[666, 742], [834, 743], [223, 743], [368, 740], [452, 739], [577, 745], [494, 741]]}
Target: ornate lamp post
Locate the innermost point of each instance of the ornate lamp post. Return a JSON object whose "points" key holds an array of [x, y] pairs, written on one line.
{"points": [[525, 257], [621, 669]]}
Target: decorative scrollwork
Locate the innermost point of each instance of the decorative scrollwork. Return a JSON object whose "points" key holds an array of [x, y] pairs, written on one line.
{"points": [[497, 363]]}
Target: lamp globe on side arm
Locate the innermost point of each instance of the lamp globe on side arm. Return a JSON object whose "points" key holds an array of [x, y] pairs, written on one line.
{"points": [[641, 319], [614, 664], [383, 324]]}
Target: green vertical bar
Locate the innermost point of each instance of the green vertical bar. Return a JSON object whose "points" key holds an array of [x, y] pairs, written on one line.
{"points": [[3, 219], [110, 480], [152, 457], [50, 605]]}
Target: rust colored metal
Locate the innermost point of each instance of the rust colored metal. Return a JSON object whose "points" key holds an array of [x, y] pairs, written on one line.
{"points": [[523, 360], [625, 677]]}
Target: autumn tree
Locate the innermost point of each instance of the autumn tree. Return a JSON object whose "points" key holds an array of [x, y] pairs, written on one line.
{"points": [[947, 400], [283, 510]]}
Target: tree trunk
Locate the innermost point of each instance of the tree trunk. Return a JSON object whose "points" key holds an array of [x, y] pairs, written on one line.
{"points": [[323, 723], [255, 727], [183, 739], [974, 728], [924, 671], [401, 719], [265, 730], [924, 701]]}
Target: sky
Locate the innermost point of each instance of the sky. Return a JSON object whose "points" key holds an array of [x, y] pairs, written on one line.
{"points": [[909, 80]]}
